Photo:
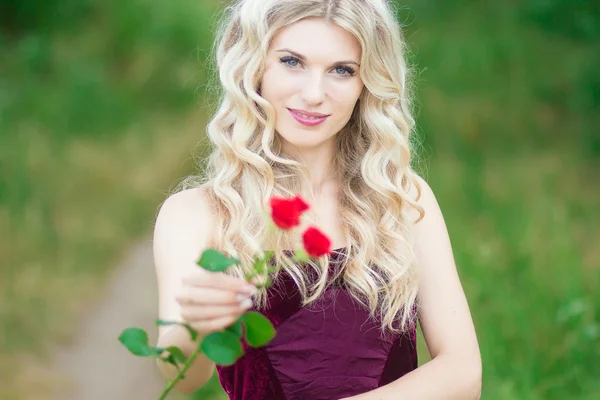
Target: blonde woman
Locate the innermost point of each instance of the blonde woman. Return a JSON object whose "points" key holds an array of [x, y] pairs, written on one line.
{"points": [[315, 101]]}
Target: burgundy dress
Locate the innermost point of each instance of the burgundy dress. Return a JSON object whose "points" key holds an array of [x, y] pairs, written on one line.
{"points": [[327, 350]]}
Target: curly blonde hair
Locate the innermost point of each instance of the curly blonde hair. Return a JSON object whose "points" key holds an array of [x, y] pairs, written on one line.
{"points": [[372, 160]]}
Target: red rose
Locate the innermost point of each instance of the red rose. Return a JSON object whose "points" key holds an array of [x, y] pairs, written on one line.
{"points": [[316, 243], [286, 212]]}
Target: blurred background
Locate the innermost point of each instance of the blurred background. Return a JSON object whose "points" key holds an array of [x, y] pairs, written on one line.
{"points": [[103, 105]]}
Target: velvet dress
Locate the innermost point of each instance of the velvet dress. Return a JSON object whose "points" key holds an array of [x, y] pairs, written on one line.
{"points": [[327, 350]]}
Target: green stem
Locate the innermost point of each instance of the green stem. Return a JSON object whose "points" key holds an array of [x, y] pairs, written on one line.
{"points": [[193, 356], [181, 373]]}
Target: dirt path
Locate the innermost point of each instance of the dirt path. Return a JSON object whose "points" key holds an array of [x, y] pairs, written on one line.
{"points": [[96, 363]]}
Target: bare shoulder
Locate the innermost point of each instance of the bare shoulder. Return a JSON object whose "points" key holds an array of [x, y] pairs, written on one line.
{"points": [[189, 204], [423, 195], [183, 226]]}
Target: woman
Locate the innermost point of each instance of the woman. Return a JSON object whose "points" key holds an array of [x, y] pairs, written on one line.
{"points": [[316, 103]]}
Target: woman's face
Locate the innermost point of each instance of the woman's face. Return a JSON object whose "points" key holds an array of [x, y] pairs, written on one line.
{"points": [[312, 81]]}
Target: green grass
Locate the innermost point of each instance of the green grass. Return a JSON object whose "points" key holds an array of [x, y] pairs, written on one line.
{"points": [[96, 123], [506, 113]]}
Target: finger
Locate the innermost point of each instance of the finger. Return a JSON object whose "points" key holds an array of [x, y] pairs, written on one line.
{"points": [[209, 296], [199, 313], [214, 325], [219, 280]]}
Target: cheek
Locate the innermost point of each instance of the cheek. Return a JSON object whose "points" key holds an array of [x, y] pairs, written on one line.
{"points": [[346, 96], [345, 107], [277, 86]]}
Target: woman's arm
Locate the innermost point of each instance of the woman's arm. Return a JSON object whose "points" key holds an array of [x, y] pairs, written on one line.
{"points": [[181, 233], [455, 369]]}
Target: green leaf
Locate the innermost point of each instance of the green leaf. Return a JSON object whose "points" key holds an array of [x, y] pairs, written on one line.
{"points": [[270, 270], [223, 347], [269, 254], [192, 331], [214, 261], [177, 354], [136, 341], [236, 328], [259, 330], [171, 360], [301, 255], [157, 351], [268, 282], [259, 266]]}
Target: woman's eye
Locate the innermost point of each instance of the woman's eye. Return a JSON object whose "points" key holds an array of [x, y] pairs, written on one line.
{"points": [[294, 62], [345, 71], [291, 61]]}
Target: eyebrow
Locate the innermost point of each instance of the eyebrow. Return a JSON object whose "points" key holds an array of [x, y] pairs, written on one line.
{"points": [[303, 58]]}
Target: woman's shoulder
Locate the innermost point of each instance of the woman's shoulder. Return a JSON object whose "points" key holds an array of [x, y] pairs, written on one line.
{"points": [[183, 228], [188, 209], [431, 227], [420, 193], [192, 200]]}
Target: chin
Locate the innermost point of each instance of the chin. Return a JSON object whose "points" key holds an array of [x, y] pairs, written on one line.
{"points": [[304, 144], [303, 139]]}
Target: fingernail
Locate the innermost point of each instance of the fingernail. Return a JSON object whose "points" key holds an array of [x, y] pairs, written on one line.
{"points": [[241, 297], [246, 304]]}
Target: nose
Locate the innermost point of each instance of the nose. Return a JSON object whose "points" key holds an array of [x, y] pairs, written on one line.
{"points": [[313, 91]]}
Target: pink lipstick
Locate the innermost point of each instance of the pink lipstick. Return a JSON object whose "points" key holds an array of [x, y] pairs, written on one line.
{"points": [[307, 118]]}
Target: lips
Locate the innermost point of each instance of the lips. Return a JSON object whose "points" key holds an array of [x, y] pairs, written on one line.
{"points": [[307, 118], [307, 113]]}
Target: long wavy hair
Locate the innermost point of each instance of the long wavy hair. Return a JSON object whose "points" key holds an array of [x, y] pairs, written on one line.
{"points": [[372, 161]]}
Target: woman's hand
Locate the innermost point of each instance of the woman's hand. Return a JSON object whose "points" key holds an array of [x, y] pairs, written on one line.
{"points": [[212, 301]]}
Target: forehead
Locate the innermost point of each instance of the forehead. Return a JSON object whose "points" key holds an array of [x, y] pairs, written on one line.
{"points": [[318, 40]]}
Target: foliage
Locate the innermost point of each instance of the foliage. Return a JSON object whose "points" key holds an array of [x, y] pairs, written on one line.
{"points": [[91, 103], [224, 346]]}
